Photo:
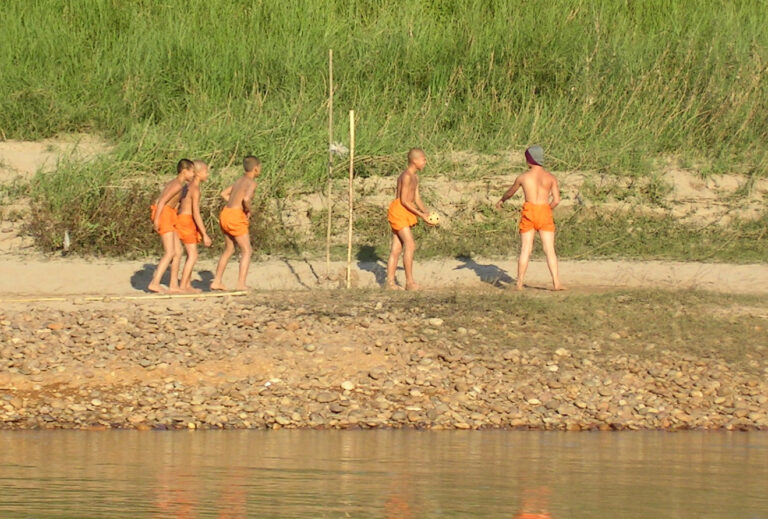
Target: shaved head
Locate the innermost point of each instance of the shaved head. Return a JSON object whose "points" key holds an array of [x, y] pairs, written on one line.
{"points": [[199, 165], [413, 153]]}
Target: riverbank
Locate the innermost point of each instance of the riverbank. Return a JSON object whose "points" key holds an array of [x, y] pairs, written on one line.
{"points": [[449, 359]]}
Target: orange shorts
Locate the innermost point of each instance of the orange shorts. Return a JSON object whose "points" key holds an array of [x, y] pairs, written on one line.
{"points": [[399, 217], [233, 221], [536, 217], [187, 229], [167, 219]]}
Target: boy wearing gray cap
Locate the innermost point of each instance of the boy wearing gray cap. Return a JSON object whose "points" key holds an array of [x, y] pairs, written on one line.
{"points": [[542, 194]]}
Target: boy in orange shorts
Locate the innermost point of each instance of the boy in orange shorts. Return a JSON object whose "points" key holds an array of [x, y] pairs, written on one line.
{"points": [[404, 212], [164, 222], [189, 224], [542, 194], [234, 222]]}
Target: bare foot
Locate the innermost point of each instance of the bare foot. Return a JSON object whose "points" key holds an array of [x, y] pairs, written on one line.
{"points": [[175, 290], [412, 286], [557, 288], [242, 288], [391, 285], [519, 287], [217, 286], [156, 288], [191, 290]]}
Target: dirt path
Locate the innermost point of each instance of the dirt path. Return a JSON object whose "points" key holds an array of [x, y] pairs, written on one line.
{"points": [[38, 276]]}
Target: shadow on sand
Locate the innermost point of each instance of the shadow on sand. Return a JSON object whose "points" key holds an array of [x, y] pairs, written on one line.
{"points": [[141, 278], [488, 273], [204, 283], [369, 261]]}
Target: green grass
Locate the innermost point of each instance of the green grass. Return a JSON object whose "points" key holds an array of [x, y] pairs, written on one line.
{"points": [[599, 83], [605, 85]]}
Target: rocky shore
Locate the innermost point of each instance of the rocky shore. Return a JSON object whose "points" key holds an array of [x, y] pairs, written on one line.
{"points": [[342, 360]]}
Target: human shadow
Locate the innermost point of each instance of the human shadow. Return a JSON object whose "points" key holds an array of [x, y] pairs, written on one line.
{"points": [[487, 273], [141, 278], [204, 283], [369, 261]]}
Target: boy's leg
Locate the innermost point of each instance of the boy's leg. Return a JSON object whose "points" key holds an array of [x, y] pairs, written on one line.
{"points": [[244, 242], [173, 285], [229, 249], [394, 257], [526, 246], [169, 248], [409, 249], [548, 244], [186, 274]]}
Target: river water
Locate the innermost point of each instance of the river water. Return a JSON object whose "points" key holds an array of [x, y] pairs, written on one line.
{"points": [[388, 474]]}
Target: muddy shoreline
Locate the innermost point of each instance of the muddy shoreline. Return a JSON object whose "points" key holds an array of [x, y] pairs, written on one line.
{"points": [[295, 360]]}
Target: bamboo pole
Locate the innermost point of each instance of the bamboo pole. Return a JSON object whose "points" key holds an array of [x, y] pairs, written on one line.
{"points": [[124, 298], [330, 165], [351, 194]]}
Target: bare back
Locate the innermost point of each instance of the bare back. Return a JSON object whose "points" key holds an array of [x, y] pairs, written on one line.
{"points": [[171, 193], [185, 203], [538, 186], [241, 194]]}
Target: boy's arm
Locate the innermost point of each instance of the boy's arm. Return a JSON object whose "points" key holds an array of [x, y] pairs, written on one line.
{"points": [[225, 194], [555, 195], [199, 219], [167, 194], [410, 203], [419, 202], [509, 193], [248, 197]]}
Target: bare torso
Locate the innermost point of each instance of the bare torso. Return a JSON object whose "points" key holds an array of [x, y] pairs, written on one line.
{"points": [[242, 190], [538, 186], [185, 202], [409, 193], [172, 191]]}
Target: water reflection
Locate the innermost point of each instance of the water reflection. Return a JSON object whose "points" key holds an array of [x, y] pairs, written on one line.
{"points": [[388, 474]]}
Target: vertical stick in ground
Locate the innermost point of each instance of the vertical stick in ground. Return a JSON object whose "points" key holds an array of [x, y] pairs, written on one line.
{"points": [[351, 194], [330, 164]]}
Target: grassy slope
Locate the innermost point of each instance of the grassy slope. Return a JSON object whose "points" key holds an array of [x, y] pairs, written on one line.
{"points": [[605, 84]]}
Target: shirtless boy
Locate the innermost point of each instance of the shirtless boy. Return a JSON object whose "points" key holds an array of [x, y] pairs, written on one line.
{"points": [[189, 224], [404, 212], [234, 222], [164, 222], [542, 194]]}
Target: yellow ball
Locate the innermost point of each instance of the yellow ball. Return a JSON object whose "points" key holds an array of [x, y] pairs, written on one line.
{"points": [[433, 218]]}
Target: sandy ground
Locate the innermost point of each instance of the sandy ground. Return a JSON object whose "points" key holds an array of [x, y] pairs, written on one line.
{"points": [[40, 277], [24, 158]]}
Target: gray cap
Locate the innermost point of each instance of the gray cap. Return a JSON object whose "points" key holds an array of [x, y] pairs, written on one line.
{"points": [[535, 155]]}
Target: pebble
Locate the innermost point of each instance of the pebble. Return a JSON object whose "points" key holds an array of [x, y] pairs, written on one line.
{"points": [[243, 367], [326, 396]]}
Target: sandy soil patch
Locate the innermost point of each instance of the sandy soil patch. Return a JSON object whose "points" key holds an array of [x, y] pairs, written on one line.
{"points": [[24, 158], [37, 277]]}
